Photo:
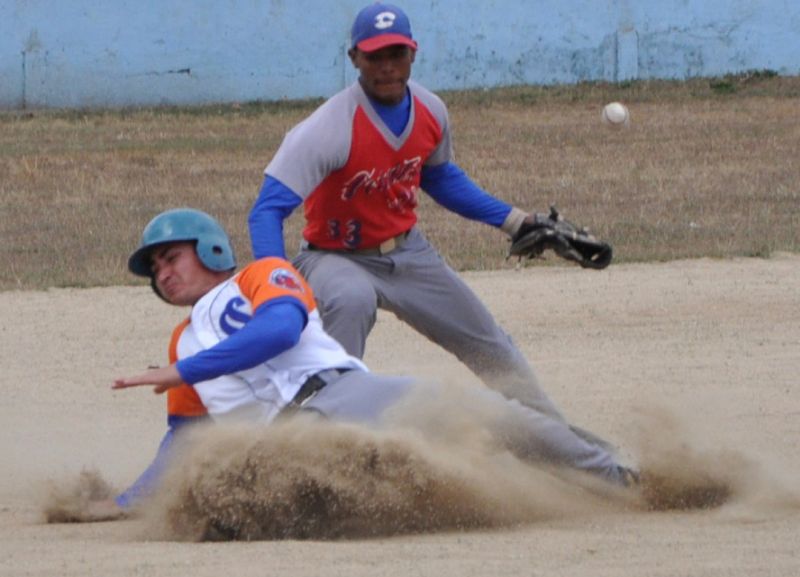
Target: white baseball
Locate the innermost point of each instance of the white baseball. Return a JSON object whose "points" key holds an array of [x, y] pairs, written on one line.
{"points": [[616, 114]]}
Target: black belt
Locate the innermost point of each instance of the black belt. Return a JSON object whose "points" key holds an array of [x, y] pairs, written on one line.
{"points": [[385, 247], [311, 387]]}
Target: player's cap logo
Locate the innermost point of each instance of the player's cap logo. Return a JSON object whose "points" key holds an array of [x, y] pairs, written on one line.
{"points": [[384, 20], [286, 279]]}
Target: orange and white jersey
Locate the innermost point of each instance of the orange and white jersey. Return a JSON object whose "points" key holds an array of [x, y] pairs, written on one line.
{"points": [[259, 393], [182, 401]]}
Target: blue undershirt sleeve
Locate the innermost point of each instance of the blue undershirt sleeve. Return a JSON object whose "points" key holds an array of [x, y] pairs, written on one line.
{"points": [[274, 204], [449, 186], [274, 328]]}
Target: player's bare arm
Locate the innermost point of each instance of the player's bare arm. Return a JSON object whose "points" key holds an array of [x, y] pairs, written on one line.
{"points": [[161, 379]]}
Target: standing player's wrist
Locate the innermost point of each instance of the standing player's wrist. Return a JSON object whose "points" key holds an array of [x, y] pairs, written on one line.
{"points": [[513, 221]]}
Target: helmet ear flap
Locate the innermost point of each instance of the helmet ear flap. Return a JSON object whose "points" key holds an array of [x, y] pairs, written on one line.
{"points": [[155, 289], [216, 252]]}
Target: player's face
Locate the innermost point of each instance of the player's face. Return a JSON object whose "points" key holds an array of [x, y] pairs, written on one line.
{"points": [[384, 72], [179, 275]]}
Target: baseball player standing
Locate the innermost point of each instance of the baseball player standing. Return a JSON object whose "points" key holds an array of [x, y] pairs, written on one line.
{"points": [[253, 349], [357, 165]]}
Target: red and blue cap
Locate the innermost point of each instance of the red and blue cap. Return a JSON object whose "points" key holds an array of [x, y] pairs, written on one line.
{"points": [[380, 25]]}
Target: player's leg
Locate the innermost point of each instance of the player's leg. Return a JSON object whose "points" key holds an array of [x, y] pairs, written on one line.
{"points": [[363, 397], [428, 295], [359, 396], [148, 481], [534, 436], [345, 296]]}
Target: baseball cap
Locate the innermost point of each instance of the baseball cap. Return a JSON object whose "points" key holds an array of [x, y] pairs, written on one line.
{"points": [[380, 25]]}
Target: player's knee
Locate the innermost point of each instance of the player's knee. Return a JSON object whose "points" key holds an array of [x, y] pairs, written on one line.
{"points": [[354, 301], [497, 360]]}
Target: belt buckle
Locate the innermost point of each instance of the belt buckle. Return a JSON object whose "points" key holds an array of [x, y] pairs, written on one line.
{"points": [[388, 245], [393, 243]]}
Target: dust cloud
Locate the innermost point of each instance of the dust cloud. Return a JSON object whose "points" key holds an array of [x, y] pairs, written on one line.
{"points": [[71, 502], [687, 463], [429, 470], [324, 480]]}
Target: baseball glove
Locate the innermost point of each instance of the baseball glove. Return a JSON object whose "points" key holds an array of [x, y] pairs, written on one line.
{"points": [[571, 242]]}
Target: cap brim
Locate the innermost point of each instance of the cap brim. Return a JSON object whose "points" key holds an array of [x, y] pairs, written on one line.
{"points": [[384, 40]]}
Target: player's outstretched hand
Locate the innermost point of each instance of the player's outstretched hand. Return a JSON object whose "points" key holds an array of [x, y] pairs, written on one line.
{"points": [[540, 232], [161, 379]]}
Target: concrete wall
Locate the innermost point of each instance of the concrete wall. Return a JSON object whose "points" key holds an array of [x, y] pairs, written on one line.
{"points": [[89, 53]]}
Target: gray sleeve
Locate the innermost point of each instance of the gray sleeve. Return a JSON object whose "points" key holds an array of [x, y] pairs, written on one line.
{"points": [[317, 146], [444, 152]]}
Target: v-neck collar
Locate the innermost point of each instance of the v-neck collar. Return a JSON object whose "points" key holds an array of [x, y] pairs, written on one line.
{"points": [[396, 142]]}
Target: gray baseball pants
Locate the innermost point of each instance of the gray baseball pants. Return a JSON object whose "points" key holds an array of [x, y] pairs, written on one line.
{"points": [[415, 284], [362, 397]]}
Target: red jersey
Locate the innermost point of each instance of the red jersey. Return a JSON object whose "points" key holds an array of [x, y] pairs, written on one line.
{"points": [[358, 179]]}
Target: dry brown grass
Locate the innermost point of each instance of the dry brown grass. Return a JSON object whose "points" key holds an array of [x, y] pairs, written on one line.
{"points": [[708, 168]]}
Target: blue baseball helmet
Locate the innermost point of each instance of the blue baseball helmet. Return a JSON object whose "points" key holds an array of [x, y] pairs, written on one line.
{"points": [[212, 244]]}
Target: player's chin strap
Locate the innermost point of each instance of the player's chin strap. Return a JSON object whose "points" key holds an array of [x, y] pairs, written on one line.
{"points": [[308, 390]]}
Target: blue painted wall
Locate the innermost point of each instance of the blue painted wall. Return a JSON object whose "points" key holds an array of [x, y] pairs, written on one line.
{"points": [[88, 53]]}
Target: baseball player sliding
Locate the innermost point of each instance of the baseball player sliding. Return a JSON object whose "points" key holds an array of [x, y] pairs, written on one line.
{"points": [[357, 165], [253, 349]]}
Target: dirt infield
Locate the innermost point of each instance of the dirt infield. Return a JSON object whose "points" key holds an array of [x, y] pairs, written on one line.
{"points": [[691, 358]]}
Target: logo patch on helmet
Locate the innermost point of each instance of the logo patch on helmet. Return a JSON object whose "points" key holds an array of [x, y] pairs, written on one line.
{"points": [[286, 279]]}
